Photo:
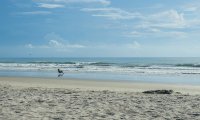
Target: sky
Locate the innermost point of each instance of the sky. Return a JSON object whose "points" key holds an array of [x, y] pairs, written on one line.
{"points": [[99, 28]]}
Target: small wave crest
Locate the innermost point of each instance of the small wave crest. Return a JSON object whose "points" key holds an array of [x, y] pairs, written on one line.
{"points": [[90, 66], [47, 62], [190, 73], [101, 64], [134, 66], [187, 65]]}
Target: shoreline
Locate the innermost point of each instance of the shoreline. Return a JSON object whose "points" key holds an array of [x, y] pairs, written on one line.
{"points": [[132, 86], [102, 76]]}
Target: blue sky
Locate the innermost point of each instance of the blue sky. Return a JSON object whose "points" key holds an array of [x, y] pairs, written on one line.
{"points": [[100, 28]]}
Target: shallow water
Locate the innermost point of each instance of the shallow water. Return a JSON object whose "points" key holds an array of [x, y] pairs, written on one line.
{"points": [[171, 79], [159, 70]]}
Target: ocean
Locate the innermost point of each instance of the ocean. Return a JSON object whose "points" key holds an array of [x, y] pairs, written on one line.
{"points": [[156, 70]]}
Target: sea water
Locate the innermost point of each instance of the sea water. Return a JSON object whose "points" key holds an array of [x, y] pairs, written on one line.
{"points": [[159, 70]]}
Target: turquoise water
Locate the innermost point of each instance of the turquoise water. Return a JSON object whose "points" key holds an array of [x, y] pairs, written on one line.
{"points": [[159, 70]]}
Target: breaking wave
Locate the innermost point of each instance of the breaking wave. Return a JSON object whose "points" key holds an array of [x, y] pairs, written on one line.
{"points": [[80, 66]]}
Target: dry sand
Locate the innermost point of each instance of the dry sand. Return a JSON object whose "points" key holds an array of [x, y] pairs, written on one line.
{"points": [[63, 99]]}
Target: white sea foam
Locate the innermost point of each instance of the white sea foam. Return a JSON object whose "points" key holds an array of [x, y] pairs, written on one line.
{"points": [[99, 67]]}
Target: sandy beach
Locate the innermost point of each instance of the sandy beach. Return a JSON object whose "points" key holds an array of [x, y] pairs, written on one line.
{"points": [[63, 99], [99, 60]]}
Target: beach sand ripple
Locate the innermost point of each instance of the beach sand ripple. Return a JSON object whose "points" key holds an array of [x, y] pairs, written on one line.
{"points": [[60, 104]]}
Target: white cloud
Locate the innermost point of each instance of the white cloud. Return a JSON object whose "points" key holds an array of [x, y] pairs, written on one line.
{"points": [[103, 2], [157, 33], [190, 7], [75, 46], [134, 45], [155, 30], [171, 15], [164, 24], [29, 46], [176, 34], [35, 13], [45, 5], [53, 36], [167, 19], [133, 34], [112, 13], [56, 45]]}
